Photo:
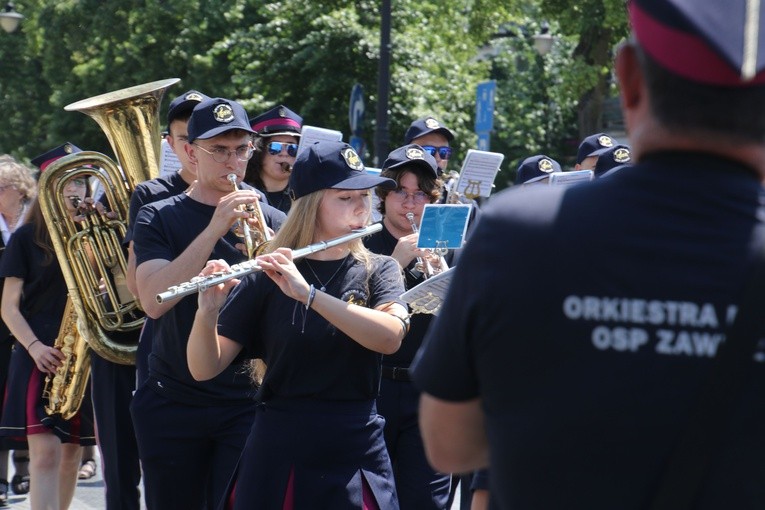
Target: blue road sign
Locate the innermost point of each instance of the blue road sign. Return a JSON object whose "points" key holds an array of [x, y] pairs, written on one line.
{"points": [[356, 109], [484, 106], [358, 145], [483, 141]]}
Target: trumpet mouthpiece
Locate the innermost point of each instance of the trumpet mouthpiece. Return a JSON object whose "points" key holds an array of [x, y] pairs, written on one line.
{"points": [[231, 178], [286, 167]]}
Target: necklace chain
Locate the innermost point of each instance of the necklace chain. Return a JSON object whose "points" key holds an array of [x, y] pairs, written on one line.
{"points": [[323, 287]]}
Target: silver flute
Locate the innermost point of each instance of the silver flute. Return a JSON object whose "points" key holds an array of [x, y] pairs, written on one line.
{"points": [[200, 283]]}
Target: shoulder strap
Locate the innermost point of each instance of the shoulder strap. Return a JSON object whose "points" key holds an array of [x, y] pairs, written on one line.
{"points": [[689, 462]]}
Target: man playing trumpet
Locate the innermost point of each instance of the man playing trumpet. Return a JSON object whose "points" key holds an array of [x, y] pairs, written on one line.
{"points": [[190, 433]]}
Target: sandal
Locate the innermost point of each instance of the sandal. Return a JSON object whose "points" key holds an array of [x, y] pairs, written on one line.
{"points": [[3, 492], [20, 484], [87, 470]]}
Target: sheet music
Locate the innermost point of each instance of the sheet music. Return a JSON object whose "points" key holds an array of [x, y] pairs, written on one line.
{"points": [[311, 134], [443, 226], [573, 177], [478, 173], [168, 161], [432, 291]]}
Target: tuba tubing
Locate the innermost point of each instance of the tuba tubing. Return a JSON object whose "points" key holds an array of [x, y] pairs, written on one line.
{"points": [[90, 252], [201, 283]]}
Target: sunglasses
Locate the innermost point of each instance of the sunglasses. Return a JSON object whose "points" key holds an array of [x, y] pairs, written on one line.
{"points": [[443, 152], [275, 148]]}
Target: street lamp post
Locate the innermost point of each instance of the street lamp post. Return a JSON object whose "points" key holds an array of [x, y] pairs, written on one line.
{"points": [[9, 18], [383, 85]]}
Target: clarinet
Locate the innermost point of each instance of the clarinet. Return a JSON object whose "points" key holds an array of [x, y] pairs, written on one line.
{"points": [[200, 283]]}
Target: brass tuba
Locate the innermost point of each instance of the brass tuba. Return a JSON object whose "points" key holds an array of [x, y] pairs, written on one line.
{"points": [[90, 252]]}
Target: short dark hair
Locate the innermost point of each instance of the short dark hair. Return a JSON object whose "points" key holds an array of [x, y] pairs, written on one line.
{"points": [[425, 181], [700, 109]]}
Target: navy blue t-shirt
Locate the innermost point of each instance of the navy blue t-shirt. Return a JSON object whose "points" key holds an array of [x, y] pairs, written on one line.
{"points": [[383, 242], [163, 230], [587, 318], [44, 291], [321, 362], [151, 191]]}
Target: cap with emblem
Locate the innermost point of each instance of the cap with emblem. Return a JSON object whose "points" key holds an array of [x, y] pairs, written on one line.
{"points": [[424, 126], [43, 160], [335, 165], [215, 116], [594, 145], [183, 105], [535, 168], [706, 41], [279, 120], [615, 156], [411, 155]]}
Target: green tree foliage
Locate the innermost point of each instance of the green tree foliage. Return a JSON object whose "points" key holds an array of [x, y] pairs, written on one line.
{"points": [[307, 55]]}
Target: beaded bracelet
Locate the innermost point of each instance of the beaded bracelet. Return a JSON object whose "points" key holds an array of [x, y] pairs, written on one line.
{"points": [[311, 296]]}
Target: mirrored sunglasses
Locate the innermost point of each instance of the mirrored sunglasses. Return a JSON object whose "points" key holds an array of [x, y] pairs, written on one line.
{"points": [[443, 152], [275, 148]]}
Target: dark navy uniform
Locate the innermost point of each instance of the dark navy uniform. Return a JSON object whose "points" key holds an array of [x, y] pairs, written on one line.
{"points": [[587, 367], [398, 402], [189, 433], [42, 304], [317, 431]]}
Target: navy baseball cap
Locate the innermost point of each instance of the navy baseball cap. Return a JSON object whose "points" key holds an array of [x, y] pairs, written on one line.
{"points": [[215, 116], [45, 159], [411, 155], [334, 165], [184, 104], [424, 126], [279, 120], [611, 158], [705, 41], [594, 145], [536, 167]]}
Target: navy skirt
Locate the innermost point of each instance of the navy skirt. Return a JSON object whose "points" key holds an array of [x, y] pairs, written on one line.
{"points": [[24, 407], [329, 453]]}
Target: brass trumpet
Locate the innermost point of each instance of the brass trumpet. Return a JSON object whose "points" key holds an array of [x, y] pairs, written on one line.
{"points": [[424, 265], [254, 239]]}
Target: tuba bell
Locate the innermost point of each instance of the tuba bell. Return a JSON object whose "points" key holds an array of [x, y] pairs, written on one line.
{"points": [[90, 251]]}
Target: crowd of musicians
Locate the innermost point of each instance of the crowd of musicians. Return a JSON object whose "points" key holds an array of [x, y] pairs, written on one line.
{"points": [[286, 388]]}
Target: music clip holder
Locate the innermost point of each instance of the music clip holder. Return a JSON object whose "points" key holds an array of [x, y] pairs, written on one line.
{"points": [[428, 296], [478, 173], [443, 227], [312, 134], [572, 177]]}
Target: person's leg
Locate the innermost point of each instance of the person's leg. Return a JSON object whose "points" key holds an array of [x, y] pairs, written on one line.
{"points": [[88, 464], [45, 457], [175, 453], [113, 387], [71, 454], [3, 477], [20, 480], [230, 427]]}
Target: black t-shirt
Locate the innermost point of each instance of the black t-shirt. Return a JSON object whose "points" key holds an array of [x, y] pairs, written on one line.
{"points": [[321, 362], [383, 242], [586, 319], [151, 191], [44, 291]]}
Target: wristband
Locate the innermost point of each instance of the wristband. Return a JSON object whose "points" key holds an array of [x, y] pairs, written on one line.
{"points": [[33, 342], [311, 296]]}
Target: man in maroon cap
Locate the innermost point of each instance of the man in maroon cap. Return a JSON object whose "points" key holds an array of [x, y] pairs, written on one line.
{"points": [[628, 374]]}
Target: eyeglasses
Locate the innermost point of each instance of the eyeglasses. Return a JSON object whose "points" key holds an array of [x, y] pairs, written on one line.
{"points": [[275, 148], [221, 155], [419, 197], [443, 152]]}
